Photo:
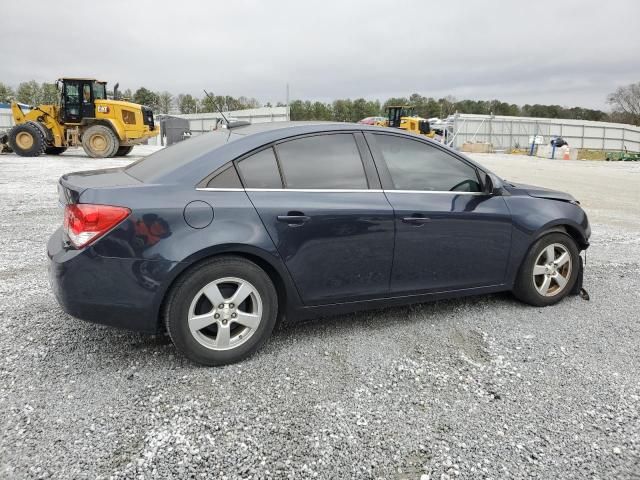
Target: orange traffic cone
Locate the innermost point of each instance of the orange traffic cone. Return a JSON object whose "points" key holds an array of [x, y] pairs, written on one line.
{"points": [[565, 154]]}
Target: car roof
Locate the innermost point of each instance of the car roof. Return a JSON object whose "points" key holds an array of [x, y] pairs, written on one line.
{"points": [[192, 160], [294, 128]]}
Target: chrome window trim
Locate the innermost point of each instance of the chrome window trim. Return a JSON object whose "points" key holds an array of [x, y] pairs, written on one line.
{"points": [[317, 190], [455, 192], [332, 190], [214, 189]]}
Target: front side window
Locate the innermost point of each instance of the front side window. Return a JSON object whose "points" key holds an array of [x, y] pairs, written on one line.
{"points": [[260, 170], [72, 95], [322, 162], [99, 91], [86, 93], [414, 165]]}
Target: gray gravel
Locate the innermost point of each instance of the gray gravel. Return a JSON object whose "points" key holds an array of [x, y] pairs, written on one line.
{"points": [[476, 388]]}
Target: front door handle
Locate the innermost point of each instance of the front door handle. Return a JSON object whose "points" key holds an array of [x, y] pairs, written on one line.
{"points": [[294, 218], [416, 220]]}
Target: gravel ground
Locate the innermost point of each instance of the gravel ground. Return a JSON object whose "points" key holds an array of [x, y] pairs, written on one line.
{"points": [[477, 388]]}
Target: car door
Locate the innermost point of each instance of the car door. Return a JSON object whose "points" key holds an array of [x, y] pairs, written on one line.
{"points": [[320, 199], [449, 234], [88, 105], [72, 106]]}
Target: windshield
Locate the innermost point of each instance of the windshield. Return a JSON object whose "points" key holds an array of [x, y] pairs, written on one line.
{"points": [[169, 159], [99, 91]]}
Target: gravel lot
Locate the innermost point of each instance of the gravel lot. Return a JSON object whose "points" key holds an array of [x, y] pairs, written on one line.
{"points": [[477, 388]]}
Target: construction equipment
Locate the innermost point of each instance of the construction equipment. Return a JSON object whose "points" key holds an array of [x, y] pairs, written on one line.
{"points": [[404, 117], [84, 116], [623, 156]]}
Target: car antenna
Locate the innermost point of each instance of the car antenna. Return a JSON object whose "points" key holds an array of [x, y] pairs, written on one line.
{"points": [[215, 104]]}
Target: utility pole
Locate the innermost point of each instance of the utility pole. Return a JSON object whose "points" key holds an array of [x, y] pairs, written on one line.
{"points": [[287, 103]]}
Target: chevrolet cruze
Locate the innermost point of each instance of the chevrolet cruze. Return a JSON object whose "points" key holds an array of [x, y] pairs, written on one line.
{"points": [[218, 237]]}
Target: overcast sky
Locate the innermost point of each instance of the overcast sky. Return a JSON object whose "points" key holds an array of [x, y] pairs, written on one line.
{"points": [[569, 52]]}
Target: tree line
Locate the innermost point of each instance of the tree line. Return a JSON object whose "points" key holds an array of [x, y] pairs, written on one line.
{"points": [[348, 110], [34, 93], [625, 103]]}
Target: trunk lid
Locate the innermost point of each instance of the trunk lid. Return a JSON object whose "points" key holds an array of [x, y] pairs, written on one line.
{"points": [[72, 185]]}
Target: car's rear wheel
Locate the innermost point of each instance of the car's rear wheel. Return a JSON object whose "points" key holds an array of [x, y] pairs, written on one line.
{"points": [[221, 311], [549, 271]]}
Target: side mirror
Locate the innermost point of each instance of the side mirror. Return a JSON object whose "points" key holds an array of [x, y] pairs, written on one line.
{"points": [[492, 185]]}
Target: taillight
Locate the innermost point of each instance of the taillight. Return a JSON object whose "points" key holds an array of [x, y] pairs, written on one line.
{"points": [[85, 223]]}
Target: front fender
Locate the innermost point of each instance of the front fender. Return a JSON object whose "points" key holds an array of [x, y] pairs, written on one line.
{"points": [[535, 217]]}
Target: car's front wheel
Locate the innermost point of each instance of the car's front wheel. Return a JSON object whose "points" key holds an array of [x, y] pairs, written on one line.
{"points": [[221, 311], [549, 271]]}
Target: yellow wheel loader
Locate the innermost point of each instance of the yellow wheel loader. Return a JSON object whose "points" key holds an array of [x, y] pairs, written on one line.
{"points": [[83, 117], [404, 117]]}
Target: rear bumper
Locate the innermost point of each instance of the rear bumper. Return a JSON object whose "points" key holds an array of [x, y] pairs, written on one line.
{"points": [[119, 292]]}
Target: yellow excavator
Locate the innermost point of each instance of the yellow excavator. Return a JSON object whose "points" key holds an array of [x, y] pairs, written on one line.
{"points": [[83, 116], [404, 117]]}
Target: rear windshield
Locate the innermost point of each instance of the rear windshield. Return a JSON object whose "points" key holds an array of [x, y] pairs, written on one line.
{"points": [[171, 158]]}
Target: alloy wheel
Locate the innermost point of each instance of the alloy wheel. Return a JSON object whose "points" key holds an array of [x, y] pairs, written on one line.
{"points": [[552, 270], [225, 313]]}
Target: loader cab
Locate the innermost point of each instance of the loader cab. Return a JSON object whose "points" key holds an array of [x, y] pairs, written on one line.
{"points": [[78, 96], [404, 117], [396, 112]]}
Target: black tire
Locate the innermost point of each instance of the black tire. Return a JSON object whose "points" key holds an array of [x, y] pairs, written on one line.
{"points": [[27, 140], [123, 151], [55, 150], [525, 289], [182, 294], [99, 141]]}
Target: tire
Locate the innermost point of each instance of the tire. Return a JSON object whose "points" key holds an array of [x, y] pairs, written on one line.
{"points": [[558, 279], [123, 151], [99, 141], [27, 140], [208, 345], [55, 150]]}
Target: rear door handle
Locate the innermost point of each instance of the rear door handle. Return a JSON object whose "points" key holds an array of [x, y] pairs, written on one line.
{"points": [[293, 219], [416, 220]]}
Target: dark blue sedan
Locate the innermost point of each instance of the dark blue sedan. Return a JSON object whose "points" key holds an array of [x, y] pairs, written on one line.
{"points": [[217, 238]]}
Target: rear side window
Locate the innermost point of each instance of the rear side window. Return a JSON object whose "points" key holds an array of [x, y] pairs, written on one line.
{"points": [[228, 178], [322, 162], [260, 170], [414, 165]]}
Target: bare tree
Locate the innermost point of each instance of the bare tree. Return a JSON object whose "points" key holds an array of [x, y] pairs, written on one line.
{"points": [[626, 101], [165, 101]]}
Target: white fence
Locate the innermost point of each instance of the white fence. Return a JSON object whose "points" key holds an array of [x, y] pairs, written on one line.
{"points": [[513, 132], [6, 119], [198, 122], [204, 122], [201, 122]]}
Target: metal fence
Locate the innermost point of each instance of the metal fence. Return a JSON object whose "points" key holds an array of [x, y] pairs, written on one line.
{"points": [[205, 122], [198, 122], [516, 132], [201, 122], [6, 119]]}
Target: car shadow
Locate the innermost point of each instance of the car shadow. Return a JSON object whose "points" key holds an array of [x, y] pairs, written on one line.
{"points": [[122, 347], [376, 319]]}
